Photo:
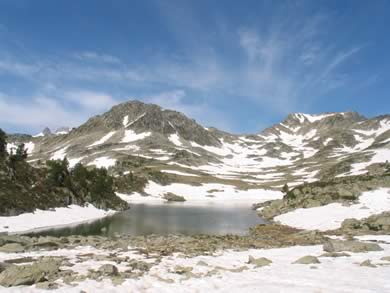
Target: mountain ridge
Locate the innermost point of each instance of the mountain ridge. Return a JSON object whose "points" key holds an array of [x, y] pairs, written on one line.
{"points": [[303, 147]]}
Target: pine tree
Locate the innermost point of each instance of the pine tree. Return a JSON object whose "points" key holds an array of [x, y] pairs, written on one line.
{"points": [[21, 152], [285, 188], [3, 144]]}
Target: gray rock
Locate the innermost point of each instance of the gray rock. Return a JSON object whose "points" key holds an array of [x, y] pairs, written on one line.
{"points": [[259, 262], [4, 266], [350, 245], [29, 274], [108, 270], [334, 254], [386, 258], [308, 259], [169, 196], [367, 263], [12, 248], [47, 286]]}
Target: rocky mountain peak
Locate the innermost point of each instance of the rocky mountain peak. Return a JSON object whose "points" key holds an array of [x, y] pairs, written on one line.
{"points": [[140, 118]]}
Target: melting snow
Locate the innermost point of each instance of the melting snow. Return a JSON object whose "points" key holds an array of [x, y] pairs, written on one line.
{"points": [[332, 215], [103, 162], [130, 136], [103, 139], [40, 219], [60, 154], [175, 139]]}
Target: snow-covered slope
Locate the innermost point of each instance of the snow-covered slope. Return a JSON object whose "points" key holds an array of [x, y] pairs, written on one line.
{"points": [[303, 147]]}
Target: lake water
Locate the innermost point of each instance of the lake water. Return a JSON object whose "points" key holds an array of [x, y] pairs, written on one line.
{"points": [[162, 219]]}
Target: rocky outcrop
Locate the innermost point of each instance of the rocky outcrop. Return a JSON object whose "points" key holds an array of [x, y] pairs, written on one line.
{"points": [[350, 245], [169, 196], [376, 223], [29, 274], [342, 190]]}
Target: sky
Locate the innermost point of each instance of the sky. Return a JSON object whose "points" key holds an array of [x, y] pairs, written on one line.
{"points": [[239, 66]]}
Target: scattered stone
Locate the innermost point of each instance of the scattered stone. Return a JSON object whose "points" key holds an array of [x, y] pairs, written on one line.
{"points": [[386, 258], [334, 254], [169, 196], [308, 259], [139, 265], [350, 245], [202, 263], [181, 270], [20, 260], [12, 248], [259, 262], [47, 286], [108, 270], [367, 263]]}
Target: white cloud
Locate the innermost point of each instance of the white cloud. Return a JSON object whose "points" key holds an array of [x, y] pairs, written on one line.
{"points": [[93, 101], [36, 113], [96, 57], [40, 111]]}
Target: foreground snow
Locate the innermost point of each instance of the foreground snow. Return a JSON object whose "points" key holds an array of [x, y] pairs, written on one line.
{"points": [[341, 274], [41, 219], [332, 215], [210, 192]]}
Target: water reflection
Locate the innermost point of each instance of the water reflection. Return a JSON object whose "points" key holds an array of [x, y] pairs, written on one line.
{"points": [[164, 219]]}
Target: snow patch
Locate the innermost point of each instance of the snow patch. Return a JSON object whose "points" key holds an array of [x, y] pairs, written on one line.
{"points": [[331, 216], [103, 139]]}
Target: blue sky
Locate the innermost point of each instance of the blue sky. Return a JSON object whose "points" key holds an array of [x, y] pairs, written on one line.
{"points": [[236, 65]]}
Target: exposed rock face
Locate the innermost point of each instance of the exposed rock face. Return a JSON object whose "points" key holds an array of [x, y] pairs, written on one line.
{"points": [[150, 118], [342, 190], [375, 223], [350, 245], [12, 248], [29, 274]]}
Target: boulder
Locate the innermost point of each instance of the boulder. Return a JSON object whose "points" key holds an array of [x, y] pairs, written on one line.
{"points": [[12, 248], [367, 263], [169, 196], [386, 258], [350, 245], [108, 270], [29, 274], [259, 262], [308, 259]]}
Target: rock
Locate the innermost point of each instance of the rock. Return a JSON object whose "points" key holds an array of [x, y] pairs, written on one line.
{"points": [[12, 248], [259, 262], [308, 259], [350, 245], [47, 286], [108, 270], [4, 266], [334, 254], [169, 196], [29, 274], [139, 265], [19, 260], [386, 258], [202, 263], [182, 270], [367, 263]]}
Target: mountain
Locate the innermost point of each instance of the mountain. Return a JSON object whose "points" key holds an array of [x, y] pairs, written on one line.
{"points": [[302, 148]]}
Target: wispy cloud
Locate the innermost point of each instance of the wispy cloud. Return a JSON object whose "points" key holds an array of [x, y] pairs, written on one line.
{"points": [[40, 111]]}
